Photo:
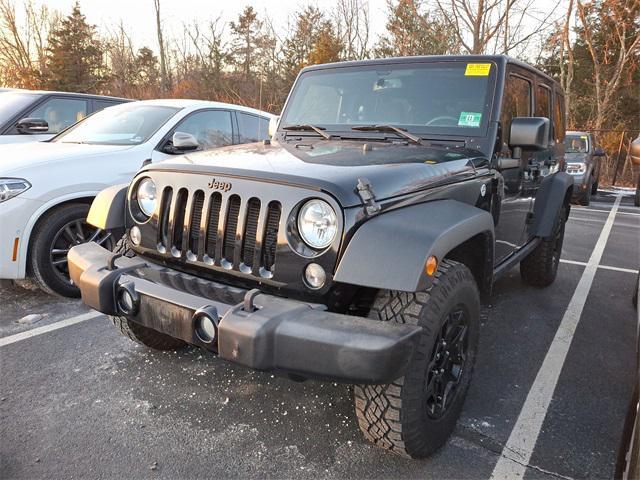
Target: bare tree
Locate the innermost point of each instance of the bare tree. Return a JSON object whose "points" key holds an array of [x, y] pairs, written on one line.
{"points": [[352, 26], [23, 46], [566, 73], [494, 26], [623, 38], [164, 74]]}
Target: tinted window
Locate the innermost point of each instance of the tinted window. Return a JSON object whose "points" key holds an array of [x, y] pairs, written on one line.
{"points": [[212, 128], [126, 124], [576, 144], [100, 104], [419, 97], [60, 113], [12, 103], [558, 119], [516, 103], [252, 127], [543, 102]]}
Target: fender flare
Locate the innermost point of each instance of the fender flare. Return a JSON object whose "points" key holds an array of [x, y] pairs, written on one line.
{"points": [[108, 208], [550, 197], [390, 250]]}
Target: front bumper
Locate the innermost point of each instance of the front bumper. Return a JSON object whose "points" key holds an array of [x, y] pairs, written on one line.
{"points": [[259, 331]]}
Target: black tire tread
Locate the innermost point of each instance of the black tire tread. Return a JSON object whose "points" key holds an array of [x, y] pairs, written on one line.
{"points": [[379, 408], [36, 269], [145, 336], [537, 269]]}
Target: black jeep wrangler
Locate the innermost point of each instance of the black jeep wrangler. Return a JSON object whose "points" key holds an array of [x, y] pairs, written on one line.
{"points": [[354, 246]]}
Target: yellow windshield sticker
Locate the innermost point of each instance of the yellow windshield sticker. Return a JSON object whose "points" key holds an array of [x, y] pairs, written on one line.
{"points": [[477, 70]]}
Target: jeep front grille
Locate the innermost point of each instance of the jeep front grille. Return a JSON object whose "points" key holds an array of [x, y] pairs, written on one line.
{"points": [[219, 229]]}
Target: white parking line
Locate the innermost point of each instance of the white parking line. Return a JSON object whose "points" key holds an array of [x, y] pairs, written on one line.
{"points": [[48, 328], [604, 267], [517, 452]]}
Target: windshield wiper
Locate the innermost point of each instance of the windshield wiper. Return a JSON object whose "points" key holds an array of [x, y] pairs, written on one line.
{"points": [[389, 128], [309, 127]]}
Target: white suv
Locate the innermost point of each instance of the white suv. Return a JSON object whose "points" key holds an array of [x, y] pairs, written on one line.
{"points": [[46, 188]]}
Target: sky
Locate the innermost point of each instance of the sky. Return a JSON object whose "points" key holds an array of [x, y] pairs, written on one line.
{"points": [[138, 16]]}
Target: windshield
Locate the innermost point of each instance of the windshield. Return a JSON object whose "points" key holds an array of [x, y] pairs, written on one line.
{"points": [[576, 144], [12, 102], [127, 124], [443, 97]]}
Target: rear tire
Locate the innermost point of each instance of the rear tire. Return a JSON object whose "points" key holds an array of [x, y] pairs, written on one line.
{"points": [[585, 199], [145, 336], [408, 416], [540, 267]]}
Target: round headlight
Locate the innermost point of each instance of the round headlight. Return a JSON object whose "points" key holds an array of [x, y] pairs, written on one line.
{"points": [[146, 195], [317, 224]]}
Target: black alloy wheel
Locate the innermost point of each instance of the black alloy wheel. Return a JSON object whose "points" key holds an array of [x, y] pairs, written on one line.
{"points": [[447, 363]]}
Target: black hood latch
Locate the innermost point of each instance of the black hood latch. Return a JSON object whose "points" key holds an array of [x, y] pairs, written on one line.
{"points": [[365, 192]]}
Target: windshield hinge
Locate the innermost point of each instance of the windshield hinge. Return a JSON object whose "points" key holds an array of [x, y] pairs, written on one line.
{"points": [[365, 192]]}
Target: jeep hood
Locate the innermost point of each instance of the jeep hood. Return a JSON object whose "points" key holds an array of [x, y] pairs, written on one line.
{"points": [[334, 166]]}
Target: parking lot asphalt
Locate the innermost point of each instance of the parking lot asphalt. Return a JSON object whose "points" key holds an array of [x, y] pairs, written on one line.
{"points": [[81, 401]]}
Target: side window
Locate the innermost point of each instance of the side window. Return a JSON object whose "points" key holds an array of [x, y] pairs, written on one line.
{"points": [[212, 128], [252, 128], [516, 103], [543, 102], [558, 119], [60, 113], [100, 104]]}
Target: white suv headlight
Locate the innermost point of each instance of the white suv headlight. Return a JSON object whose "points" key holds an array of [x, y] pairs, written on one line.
{"points": [[146, 196], [10, 187], [317, 224]]}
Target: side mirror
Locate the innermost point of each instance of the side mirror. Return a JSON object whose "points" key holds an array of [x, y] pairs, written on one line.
{"points": [[634, 151], [273, 125], [530, 133], [184, 142], [598, 152], [32, 125]]}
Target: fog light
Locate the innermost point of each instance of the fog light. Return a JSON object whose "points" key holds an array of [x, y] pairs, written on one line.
{"points": [[136, 235], [127, 299], [315, 275], [205, 324], [206, 329]]}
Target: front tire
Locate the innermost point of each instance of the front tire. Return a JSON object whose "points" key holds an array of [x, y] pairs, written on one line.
{"points": [[414, 415], [62, 228], [540, 267]]}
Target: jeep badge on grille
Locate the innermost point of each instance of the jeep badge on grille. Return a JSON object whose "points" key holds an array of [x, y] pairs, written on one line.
{"points": [[217, 185]]}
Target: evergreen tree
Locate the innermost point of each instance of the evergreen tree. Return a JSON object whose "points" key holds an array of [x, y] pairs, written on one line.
{"points": [[74, 60]]}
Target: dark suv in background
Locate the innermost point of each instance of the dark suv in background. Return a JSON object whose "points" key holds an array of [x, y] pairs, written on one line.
{"points": [[583, 163], [28, 116]]}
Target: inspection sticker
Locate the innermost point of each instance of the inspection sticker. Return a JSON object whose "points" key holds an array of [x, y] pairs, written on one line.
{"points": [[469, 119], [477, 70]]}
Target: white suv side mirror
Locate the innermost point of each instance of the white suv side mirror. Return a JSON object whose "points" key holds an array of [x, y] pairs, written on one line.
{"points": [[184, 141]]}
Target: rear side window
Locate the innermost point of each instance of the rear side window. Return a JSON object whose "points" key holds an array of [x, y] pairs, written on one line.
{"points": [[543, 102], [558, 119], [100, 104], [516, 103], [60, 113], [252, 128]]}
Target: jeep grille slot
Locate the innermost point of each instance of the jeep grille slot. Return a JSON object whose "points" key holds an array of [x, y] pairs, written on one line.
{"points": [[177, 216], [196, 218], [163, 230], [271, 236], [212, 224], [231, 225], [219, 230], [250, 232]]}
